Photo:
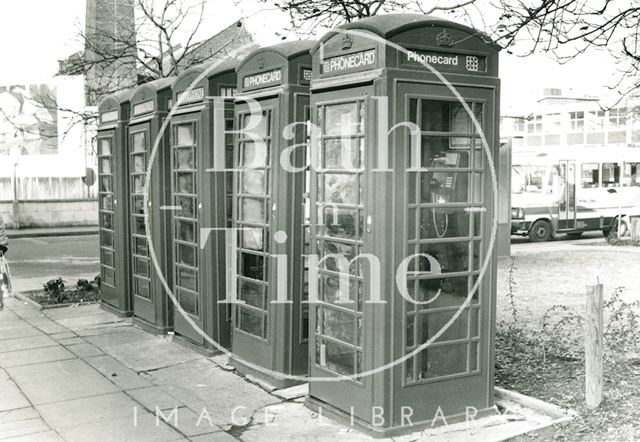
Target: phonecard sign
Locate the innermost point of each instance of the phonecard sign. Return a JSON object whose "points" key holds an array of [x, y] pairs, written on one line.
{"points": [[349, 62], [446, 61], [263, 79], [195, 94], [143, 108]]}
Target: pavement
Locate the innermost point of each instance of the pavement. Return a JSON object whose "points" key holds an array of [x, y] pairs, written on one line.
{"points": [[83, 374], [34, 232]]}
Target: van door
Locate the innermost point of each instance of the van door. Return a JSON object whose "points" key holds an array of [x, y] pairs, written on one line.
{"points": [[567, 196]]}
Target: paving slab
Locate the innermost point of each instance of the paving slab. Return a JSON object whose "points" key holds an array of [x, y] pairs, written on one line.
{"points": [[150, 354], [63, 335], [93, 409], [152, 397], [11, 398], [191, 423], [20, 414], [201, 383], [46, 325], [27, 427], [84, 350], [19, 329], [105, 329], [122, 429], [27, 343], [117, 372], [47, 436], [88, 321], [64, 380], [123, 335], [220, 436], [73, 312], [35, 356], [71, 341]]}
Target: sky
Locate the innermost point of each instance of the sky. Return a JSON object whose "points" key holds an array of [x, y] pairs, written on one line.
{"points": [[35, 34]]}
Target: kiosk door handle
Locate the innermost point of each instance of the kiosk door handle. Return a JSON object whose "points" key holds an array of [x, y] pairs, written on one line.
{"points": [[199, 206], [369, 223], [115, 202]]}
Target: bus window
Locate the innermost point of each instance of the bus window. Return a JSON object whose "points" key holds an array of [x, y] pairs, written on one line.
{"points": [[631, 174], [530, 179], [590, 175], [610, 174]]}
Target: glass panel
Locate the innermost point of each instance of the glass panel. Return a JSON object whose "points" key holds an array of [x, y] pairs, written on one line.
{"points": [[444, 152], [138, 183], [409, 331], [254, 182], [255, 154], [256, 124], [444, 223], [105, 146], [338, 325], [474, 323], [444, 187], [139, 228], [108, 276], [447, 116], [185, 158], [446, 292], [340, 188], [184, 135], [187, 255], [342, 119], [108, 258], [186, 231], [140, 246], [331, 291], [431, 323], [443, 360], [138, 144], [251, 321], [252, 266], [252, 238], [141, 287], [107, 238], [188, 206], [186, 182], [106, 184], [451, 257], [106, 220], [189, 302], [341, 223], [141, 267], [253, 210], [138, 205], [339, 358], [343, 153], [105, 165], [187, 278], [348, 251], [106, 202], [252, 293], [473, 356]]}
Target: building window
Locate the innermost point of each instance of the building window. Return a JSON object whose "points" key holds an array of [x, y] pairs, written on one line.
{"points": [[590, 175], [595, 121], [631, 175], [610, 174], [534, 125], [617, 118], [552, 123], [576, 121]]}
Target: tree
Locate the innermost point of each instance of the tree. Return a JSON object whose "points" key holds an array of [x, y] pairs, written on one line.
{"points": [[564, 28]]}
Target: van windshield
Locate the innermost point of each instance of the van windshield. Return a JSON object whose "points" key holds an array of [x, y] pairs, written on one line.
{"points": [[530, 179]]}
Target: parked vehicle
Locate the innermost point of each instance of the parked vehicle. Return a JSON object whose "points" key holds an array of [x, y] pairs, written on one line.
{"points": [[574, 190]]}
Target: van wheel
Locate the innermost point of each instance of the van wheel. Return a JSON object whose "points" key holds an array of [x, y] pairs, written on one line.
{"points": [[540, 231], [613, 232]]}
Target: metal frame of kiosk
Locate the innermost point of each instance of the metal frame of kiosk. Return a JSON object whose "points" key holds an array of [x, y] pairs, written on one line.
{"points": [[442, 216], [149, 107], [113, 113], [268, 200], [200, 199]]}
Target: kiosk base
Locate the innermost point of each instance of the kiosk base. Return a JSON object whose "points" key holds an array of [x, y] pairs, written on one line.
{"points": [[116, 311], [188, 343], [151, 328], [327, 410], [266, 381]]}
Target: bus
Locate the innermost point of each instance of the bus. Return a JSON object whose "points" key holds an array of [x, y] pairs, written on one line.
{"points": [[573, 190]]}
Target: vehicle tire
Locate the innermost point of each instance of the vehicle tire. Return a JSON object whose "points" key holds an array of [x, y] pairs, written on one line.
{"points": [[613, 232], [540, 231], [574, 235]]}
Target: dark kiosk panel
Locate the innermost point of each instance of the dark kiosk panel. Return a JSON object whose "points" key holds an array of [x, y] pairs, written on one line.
{"points": [[413, 199], [113, 194]]}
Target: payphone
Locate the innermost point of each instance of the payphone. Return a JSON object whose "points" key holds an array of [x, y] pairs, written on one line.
{"points": [[272, 108], [113, 119], [200, 199], [417, 210], [149, 107]]}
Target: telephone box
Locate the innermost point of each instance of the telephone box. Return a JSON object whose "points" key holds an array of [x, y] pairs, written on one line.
{"points": [[200, 199], [273, 94], [149, 107], [113, 203], [403, 192]]}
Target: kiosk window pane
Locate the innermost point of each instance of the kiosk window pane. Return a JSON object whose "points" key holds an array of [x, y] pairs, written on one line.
{"points": [[138, 183], [342, 222], [141, 287], [252, 238], [254, 182], [610, 174], [443, 292], [444, 152], [187, 205], [139, 227], [189, 302], [444, 187], [184, 135], [253, 210], [106, 220], [106, 184], [341, 153], [256, 125], [252, 266], [185, 158], [342, 119], [448, 222], [339, 325], [443, 360], [138, 205], [108, 258], [105, 165], [336, 263], [138, 143], [139, 163], [186, 182], [339, 358], [341, 188], [187, 255], [105, 146], [448, 116], [451, 257], [255, 154], [107, 238], [108, 276], [252, 293], [631, 174], [431, 323], [331, 291], [251, 321], [141, 267], [140, 246], [187, 278], [590, 175], [186, 230]]}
